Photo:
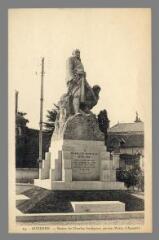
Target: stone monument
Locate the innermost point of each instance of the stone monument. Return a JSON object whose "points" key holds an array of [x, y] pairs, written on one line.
{"points": [[77, 158]]}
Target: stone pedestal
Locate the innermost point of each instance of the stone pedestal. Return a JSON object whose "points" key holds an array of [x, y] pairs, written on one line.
{"points": [[100, 206], [79, 160]]}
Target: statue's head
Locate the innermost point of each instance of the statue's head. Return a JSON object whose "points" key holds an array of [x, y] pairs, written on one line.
{"points": [[96, 89], [76, 53]]}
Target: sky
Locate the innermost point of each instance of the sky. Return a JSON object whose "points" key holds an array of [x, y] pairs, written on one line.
{"points": [[115, 47]]}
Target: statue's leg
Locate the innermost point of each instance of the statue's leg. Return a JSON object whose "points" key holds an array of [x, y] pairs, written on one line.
{"points": [[76, 104]]}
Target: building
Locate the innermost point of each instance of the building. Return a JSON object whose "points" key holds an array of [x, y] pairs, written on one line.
{"points": [[27, 143], [126, 140]]}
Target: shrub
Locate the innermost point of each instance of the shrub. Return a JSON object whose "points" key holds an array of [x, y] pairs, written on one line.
{"points": [[132, 177]]}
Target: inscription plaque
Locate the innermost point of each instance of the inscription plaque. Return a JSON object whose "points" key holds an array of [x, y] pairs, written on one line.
{"points": [[85, 166]]}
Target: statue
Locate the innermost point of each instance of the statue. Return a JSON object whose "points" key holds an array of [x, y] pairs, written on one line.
{"points": [[75, 78], [137, 118], [79, 94], [80, 97]]}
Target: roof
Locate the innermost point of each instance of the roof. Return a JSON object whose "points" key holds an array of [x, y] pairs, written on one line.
{"points": [[126, 141], [127, 127], [134, 141]]}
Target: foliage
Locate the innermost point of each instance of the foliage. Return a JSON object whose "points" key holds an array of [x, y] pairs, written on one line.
{"points": [[21, 121], [103, 122], [51, 117], [132, 177], [140, 183]]}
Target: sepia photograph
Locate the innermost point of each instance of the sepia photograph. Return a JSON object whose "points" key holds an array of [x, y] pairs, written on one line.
{"points": [[80, 120]]}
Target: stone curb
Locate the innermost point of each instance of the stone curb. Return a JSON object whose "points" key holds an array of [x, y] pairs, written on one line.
{"points": [[44, 217]]}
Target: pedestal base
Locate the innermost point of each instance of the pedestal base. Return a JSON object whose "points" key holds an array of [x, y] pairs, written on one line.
{"points": [[78, 159], [78, 185]]}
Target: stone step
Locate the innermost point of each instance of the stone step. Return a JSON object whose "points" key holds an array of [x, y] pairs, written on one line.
{"points": [[98, 206], [87, 185], [43, 183], [79, 185]]}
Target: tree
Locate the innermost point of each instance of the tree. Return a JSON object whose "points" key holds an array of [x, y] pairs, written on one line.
{"points": [[21, 121], [51, 117]]}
